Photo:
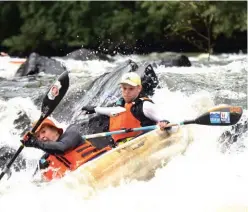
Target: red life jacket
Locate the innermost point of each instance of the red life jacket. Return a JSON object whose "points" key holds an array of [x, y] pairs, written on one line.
{"points": [[125, 120], [60, 164]]}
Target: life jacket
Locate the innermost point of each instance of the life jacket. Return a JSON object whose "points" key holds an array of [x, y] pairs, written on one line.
{"points": [[126, 120], [60, 164]]}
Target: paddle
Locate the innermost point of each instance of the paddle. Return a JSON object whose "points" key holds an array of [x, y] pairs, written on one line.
{"points": [[217, 116], [52, 98]]}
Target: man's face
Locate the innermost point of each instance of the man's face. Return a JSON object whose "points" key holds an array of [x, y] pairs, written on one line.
{"points": [[129, 93], [47, 134]]}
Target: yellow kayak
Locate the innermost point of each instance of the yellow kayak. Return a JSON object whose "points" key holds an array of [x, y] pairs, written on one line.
{"points": [[135, 159]]}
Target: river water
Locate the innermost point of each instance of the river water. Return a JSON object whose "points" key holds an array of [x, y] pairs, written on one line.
{"points": [[204, 178]]}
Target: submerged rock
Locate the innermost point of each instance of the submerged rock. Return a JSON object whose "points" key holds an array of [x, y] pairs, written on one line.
{"points": [[85, 54], [234, 136], [7, 153], [178, 61], [36, 64]]}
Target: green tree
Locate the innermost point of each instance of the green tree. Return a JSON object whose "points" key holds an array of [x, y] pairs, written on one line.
{"points": [[51, 26], [200, 23]]}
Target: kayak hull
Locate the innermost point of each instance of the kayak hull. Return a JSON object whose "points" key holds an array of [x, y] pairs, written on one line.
{"points": [[136, 159]]}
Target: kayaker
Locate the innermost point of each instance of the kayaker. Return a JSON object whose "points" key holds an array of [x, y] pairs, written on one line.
{"points": [[140, 110], [66, 151], [51, 139]]}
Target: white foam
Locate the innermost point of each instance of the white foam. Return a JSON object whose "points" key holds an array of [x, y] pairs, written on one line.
{"points": [[203, 179]]}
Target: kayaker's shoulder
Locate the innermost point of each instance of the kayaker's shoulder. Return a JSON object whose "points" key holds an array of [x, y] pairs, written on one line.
{"points": [[71, 129]]}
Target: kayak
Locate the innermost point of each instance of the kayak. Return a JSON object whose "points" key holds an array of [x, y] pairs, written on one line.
{"points": [[134, 159], [17, 61], [12, 60], [7, 62]]}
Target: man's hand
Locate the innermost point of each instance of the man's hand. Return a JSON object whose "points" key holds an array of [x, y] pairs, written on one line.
{"points": [[28, 135], [29, 140], [164, 125], [89, 109]]}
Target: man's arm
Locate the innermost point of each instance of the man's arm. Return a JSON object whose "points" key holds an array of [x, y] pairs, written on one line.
{"points": [[107, 111], [152, 112]]}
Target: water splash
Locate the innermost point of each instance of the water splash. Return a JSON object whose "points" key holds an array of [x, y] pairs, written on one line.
{"points": [[202, 179]]}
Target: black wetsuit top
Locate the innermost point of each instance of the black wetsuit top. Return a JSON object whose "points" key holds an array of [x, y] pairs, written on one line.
{"points": [[69, 140]]}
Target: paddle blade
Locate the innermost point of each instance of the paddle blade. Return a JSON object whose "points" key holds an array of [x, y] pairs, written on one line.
{"points": [[220, 116], [55, 94]]}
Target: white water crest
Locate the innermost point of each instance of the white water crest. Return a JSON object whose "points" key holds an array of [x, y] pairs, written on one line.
{"points": [[201, 179]]}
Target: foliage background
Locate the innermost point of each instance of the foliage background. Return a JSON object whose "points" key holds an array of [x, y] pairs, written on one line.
{"points": [[58, 27]]}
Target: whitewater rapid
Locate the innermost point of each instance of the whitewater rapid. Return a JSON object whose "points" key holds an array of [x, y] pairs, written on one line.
{"points": [[202, 179]]}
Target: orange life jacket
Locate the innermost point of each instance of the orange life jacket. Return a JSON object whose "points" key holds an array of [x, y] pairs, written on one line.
{"points": [[60, 164], [125, 120]]}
